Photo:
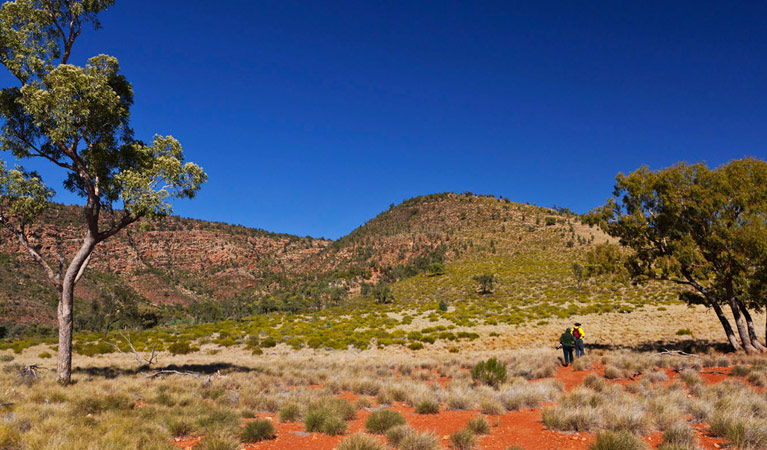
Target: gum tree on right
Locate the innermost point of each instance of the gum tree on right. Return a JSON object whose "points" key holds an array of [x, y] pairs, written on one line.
{"points": [[698, 227]]}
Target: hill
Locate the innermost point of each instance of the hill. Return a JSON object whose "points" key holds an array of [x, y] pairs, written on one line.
{"points": [[426, 250]]}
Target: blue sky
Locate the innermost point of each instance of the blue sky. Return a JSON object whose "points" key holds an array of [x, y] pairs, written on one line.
{"points": [[312, 117]]}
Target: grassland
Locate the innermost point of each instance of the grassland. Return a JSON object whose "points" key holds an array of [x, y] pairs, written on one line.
{"points": [[316, 399]]}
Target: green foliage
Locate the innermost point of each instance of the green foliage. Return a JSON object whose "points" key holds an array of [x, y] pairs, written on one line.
{"points": [[181, 348], [620, 440], [258, 430], [684, 332], [379, 422], [701, 227], [463, 439], [442, 305], [486, 282], [427, 405], [436, 269], [578, 273], [382, 294], [490, 372], [289, 412], [478, 425], [361, 441]]}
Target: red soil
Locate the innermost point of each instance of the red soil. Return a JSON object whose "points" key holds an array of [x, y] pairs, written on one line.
{"points": [[522, 428]]}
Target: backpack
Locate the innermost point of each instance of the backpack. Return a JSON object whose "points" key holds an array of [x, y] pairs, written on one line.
{"points": [[577, 333]]}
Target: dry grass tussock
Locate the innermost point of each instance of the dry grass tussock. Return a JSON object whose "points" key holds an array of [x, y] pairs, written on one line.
{"points": [[112, 406]]}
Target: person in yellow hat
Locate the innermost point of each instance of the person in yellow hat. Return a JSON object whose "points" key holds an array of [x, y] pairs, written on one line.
{"points": [[578, 335]]}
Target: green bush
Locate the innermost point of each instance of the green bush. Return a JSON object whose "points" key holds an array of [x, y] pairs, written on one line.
{"points": [[218, 441], [427, 406], [620, 440], [396, 434], [179, 427], [44, 355], [258, 430], [478, 425], [490, 372], [419, 441], [289, 412], [181, 348], [380, 421], [463, 440], [361, 441]]}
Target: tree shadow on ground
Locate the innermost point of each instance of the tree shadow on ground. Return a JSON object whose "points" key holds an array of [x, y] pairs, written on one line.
{"points": [[200, 369]]}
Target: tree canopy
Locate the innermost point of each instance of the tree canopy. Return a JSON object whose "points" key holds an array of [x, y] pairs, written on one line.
{"points": [[78, 119], [697, 227]]}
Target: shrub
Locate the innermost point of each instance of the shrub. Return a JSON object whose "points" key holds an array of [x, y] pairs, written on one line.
{"points": [[6, 357], [217, 441], [427, 406], [490, 372], [44, 355], [443, 306], [740, 371], [398, 433], [684, 332], [492, 407], [269, 342], [679, 435], [178, 427], [328, 416], [415, 346], [361, 441], [10, 438], [612, 373], [463, 440], [181, 348], [333, 426], [478, 425], [380, 421], [419, 441], [290, 412], [258, 430], [621, 440]]}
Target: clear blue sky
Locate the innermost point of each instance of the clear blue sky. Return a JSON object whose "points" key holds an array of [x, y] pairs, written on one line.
{"points": [[312, 117]]}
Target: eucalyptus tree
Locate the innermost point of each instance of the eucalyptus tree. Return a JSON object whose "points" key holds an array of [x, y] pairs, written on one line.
{"points": [[701, 228], [77, 119]]}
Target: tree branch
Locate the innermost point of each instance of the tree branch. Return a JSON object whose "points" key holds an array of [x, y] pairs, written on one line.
{"points": [[19, 232], [138, 358], [126, 220], [82, 268]]}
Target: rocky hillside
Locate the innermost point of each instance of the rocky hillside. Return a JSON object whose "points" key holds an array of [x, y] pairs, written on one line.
{"points": [[426, 249]]}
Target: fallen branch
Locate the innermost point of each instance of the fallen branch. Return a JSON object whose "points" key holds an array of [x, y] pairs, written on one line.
{"points": [[6, 404], [676, 353], [173, 372], [140, 359]]}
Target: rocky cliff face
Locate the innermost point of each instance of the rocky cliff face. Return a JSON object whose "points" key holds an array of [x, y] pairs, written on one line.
{"points": [[175, 261]]}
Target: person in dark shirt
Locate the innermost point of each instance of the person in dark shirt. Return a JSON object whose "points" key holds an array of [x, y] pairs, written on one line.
{"points": [[567, 340]]}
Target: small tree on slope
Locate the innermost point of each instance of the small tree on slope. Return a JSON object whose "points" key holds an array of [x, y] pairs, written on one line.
{"points": [[701, 228], [76, 118]]}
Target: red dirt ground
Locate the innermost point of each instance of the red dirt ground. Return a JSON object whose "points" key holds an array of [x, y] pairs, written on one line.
{"points": [[522, 428]]}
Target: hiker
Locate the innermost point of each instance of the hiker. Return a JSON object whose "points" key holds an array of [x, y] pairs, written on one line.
{"points": [[578, 335], [567, 341]]}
